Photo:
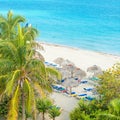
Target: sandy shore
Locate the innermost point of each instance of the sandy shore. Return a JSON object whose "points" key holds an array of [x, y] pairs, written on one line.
{"points": [[81, 58]]}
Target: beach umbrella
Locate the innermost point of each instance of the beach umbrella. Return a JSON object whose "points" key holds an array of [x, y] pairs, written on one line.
{"points": [[66, 63], [96, 70], [79, 73], [70, 83], [59, 60], [71, 68], [65, 73]]}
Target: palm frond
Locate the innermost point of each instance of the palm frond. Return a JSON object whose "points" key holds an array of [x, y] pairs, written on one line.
{"points": [[17, 19], [10, 83], [38, 55], [13, 111], [31, 33], [2, 85], [29, 97], [39, 90], [9, 15], [35, 65], [8, 50], [3, 20], [20, 38], [6, 66], [53, 72], [37, 45]]}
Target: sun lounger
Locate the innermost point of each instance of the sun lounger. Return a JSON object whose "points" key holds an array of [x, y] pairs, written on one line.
{"points": [[89, 98], [73, 95], [82, 94], [85, 81], [88, 89], [94, 78], [62, 80], [73, 92], [76, 78]]}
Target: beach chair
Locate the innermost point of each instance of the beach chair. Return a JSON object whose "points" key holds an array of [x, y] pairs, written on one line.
{"points": [[82, 95], [62, 81], [73, 95], [94, 78], [89, 98], [76, 78], [88, 89], [85, 81], [73, 92]]}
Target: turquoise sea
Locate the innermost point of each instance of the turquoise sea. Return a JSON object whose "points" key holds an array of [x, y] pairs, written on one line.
{"points": [[86, 24]]}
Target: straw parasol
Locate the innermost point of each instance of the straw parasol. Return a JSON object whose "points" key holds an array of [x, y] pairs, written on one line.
{"points": [[79, 73], [71, 68], [65, 73], [96, 70], [70, 83], [66, 63], [59, 60]]}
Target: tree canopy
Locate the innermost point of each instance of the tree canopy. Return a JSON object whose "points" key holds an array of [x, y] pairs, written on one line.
{"points": [[23, 76]]}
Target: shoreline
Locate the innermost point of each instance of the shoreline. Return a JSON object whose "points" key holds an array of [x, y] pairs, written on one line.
{"points": [[81, 57], [76, 48]]}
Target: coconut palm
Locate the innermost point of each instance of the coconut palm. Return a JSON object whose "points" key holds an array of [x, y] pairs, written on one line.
{"points": [[23, 75], [8, 25], [32, 32], [43, 105], [54, 112]]}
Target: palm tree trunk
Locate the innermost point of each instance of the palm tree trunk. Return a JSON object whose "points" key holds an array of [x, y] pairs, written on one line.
{"points": [[54, 118], [23, 106], [43, 116]]}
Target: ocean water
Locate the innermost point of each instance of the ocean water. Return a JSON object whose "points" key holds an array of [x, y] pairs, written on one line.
{"points": [[86, 24]]}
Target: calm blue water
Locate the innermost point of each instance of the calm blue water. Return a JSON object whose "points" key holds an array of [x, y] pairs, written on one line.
{"points": [[87, 24]]}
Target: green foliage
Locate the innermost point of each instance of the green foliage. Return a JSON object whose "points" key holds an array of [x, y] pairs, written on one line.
{"points": [[13, 112], [4, 107], [8, 25], [109, 85], [21, 71], [113, 112], [43, 105], [85, 110], [54, 112], [107, 107]]}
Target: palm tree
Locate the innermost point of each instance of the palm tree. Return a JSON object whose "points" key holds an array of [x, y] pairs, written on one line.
{"points": [[54, 112], [43, 106], [113, 112], [32, 32], [8, 25], [23, 76]]}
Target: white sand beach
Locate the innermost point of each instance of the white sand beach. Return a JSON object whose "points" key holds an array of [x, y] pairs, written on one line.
{"points": [[82, 59]]}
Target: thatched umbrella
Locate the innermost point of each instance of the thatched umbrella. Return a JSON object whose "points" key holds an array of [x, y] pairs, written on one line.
{"points": [[71, 68], [70, 83], [66, 63], [96, 70], [65, 73], [79, 73], [59, 60]]}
